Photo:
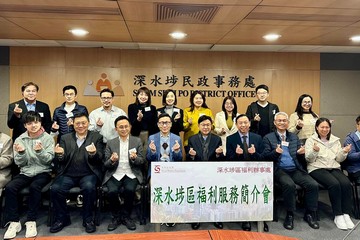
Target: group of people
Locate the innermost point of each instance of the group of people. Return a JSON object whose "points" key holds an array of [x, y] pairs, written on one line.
{"points": [[111, 148]]}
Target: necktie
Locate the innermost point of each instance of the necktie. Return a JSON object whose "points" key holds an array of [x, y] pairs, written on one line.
{"points": [[246, 151], [282, 137]]}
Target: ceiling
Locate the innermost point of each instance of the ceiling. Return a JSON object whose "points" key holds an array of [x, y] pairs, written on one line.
{"points": [[211, 25]]}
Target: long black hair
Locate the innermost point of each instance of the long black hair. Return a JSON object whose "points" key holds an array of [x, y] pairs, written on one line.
{"points": [[300, 111], [234, 111]]}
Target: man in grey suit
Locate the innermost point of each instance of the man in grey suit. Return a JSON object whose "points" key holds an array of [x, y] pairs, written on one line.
{"points": [[124, 161]]}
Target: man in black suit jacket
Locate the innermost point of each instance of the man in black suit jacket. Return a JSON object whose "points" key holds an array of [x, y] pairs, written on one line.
{"points": [[28, 103], [80, 159], [205, 146], [244, 146]]}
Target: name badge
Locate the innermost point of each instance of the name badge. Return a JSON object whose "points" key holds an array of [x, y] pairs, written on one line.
{"points": [[69, 115], [176, 110], [284, 143], [147, 109], [41, 114], [274, 111]]}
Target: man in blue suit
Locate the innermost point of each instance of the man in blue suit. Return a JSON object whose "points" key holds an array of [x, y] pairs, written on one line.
{"points": [[244, 146], [164, 146]]}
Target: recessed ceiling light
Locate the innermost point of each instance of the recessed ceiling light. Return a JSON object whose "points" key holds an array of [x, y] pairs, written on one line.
{"points": [[272, 37], [178, 35], [79, 32], [355, 38]]}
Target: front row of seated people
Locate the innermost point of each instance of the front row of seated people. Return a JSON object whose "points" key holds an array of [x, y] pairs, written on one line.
{"points": [[80, 157]]}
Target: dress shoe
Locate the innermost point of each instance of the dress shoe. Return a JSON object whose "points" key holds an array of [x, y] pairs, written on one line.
{"points": [[266, 227], [129, 223], [218, 225], [115, 222], [311, 221], [90, 227], [246, 226], [195, 226], [59, 225], [289, 222]]}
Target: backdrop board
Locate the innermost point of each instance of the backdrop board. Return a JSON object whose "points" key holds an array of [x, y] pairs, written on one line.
{"points": [[211, 191]]}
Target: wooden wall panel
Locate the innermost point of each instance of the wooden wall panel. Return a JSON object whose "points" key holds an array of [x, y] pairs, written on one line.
{"points": [[288, 75]]}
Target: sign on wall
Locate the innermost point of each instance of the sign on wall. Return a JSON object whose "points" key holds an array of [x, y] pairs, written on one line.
{"points": [[211, 191]]}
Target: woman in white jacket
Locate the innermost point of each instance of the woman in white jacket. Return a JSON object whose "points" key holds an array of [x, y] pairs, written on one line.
{"points": [[224, 120], [324, 153]]}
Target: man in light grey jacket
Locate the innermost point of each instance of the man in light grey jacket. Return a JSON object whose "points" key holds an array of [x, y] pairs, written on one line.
{"points": [[124, 161]]}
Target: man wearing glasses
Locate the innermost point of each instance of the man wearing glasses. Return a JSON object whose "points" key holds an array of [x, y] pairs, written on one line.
{"points": [[63, 115], [261, 113], [205, 146], [80, 159], [164, 146], [102, 119]]}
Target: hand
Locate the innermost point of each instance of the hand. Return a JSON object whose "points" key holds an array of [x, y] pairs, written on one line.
{"points": [[176, 146], [299, 123], [239, 150], [38, 145], [55, 126], [91, 149], [223, 131], [17, 110], [70, 122], [301, 150], [19, 148], [133, 155], [219, 150], [177, 116], [114, 157], [279, 149], [252, 149], [139, 115], [316, 148], [192, 152], [58, 150], [190, 121], [152, 146], [99, 122], [257, 117], [347, 148]]}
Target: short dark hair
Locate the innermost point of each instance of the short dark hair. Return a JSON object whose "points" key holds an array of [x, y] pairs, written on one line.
{"points": [[23, 87], [241, 115], [81, 114], [204, 118], [357, 119], [162, 115], [31, 116], [122, 117], [166, 92], [107, 90], [262, 86], [69, 87]]}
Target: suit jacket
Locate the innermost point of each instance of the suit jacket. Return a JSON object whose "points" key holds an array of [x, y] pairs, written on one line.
{"points": [[253, 109], [17, 124], [154, 157], [178, 125], [136, 165], [235, 139], [195, 143], [68, 142]]}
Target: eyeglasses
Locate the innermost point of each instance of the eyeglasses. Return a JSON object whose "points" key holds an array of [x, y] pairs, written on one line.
{"points": [[262, 93], [281, 120], [69, 94], [205, 125], [78, 124], [106, 98], [164, 123], [123, 127], [229, 104]]}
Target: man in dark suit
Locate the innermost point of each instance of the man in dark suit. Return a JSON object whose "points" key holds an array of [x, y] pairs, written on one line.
{"points": [[205, 146], [28, 103], [244, 146], [80, 159], [124, 162]]}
